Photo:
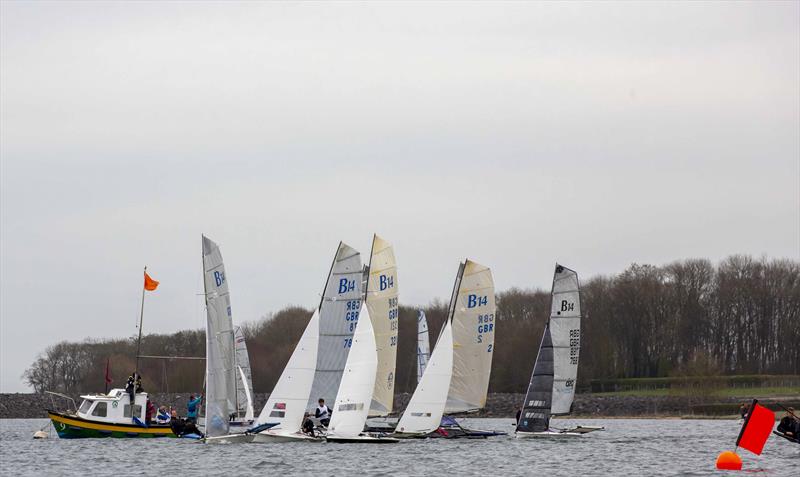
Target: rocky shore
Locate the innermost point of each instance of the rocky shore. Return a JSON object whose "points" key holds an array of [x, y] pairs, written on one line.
{"points": [[498, 405]]}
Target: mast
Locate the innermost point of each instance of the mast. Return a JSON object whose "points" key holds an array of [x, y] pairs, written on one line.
{"points": [[139, 341]]}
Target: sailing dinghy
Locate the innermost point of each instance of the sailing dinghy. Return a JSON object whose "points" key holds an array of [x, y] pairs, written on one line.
{"points": [[356, 388], [423, 414], [220, 397], [472, 314], [338, 314], [286, 406], [552, 387]]}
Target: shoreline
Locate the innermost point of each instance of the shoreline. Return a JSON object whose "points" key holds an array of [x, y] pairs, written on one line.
{"points": [[498, 405]]}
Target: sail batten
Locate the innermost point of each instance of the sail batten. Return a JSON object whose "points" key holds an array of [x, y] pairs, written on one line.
{"points": [[472, 311], [220, 367], [338, 314]]}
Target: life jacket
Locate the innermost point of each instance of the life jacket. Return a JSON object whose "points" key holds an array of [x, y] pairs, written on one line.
{"points": [[323, 412]]}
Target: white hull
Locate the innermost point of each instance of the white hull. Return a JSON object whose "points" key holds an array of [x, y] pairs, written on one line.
{"points": [[546, 434], [229, 439], [267, 437], [362, 440]]}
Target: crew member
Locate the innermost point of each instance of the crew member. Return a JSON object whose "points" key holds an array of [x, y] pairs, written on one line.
{"points": [[191, 408], [323, 413]]}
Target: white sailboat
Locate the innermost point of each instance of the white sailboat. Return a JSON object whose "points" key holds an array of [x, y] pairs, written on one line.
{"points": [[356, 388], [220, 396], [472, 313], [338, 314], [552, 387], [287, 402], [424, 411], [381, 301], [423, 344]]}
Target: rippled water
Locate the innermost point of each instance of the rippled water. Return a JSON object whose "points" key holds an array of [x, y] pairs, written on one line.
{"points": [[631, 447]]}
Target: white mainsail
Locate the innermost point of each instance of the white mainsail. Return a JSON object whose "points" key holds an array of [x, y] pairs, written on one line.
{"points": [[473, 310], [287, 402], [381, 298], [244, 378], [338, 315], [424, 411], [355, 390], [565, 332], [220, 369], [423, 344]]}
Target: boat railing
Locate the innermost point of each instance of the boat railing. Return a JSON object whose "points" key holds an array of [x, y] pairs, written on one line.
{"points": [[63, 396]]}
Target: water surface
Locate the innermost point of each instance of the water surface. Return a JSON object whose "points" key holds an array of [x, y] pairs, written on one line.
{"points": [[631, 447]]}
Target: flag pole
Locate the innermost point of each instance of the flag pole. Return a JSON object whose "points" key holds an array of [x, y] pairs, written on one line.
{"points": [[139, 341]]}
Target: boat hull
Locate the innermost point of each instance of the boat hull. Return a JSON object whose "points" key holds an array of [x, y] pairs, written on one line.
{"points": [[267, 437], [362, 440], [73, 427], [229, 439], [546, 434]]}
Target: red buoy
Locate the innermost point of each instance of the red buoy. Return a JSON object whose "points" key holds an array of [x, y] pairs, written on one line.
{"points": [[729, 461]]}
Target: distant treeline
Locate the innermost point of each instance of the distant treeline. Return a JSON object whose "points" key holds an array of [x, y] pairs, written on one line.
{"points": [[686, 318]]}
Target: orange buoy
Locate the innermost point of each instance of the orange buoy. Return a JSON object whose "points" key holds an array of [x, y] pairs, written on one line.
{"points": [[729, 461]]}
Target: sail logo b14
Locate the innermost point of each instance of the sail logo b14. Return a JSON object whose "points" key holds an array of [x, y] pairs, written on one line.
{"points": [[219, 278], [386, 282], [346, 285], [475, 300], [567, 306]]}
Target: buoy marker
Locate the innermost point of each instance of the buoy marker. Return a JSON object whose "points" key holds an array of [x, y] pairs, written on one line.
{"points": [[728, 460]]}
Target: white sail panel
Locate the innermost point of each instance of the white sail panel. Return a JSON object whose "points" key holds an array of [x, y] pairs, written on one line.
{"points": [[220, 395], [424, 411], [338, 315], [358, 380], [244, 379], [287, 402], [382, 290], [423, 344], [565, 332], [473, 316]]}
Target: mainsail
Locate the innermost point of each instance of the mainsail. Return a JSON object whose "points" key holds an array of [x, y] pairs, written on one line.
{"points": [[424, 411], [552, 386], [338, 315], [244, 378], [472, 309], [358, 380], [381, 298], [287, 402], [220, 369], [423, 344]]}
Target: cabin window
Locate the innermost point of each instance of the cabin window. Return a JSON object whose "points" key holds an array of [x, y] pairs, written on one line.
{"points": [[100, 409], [85, 405], [137, 410]]}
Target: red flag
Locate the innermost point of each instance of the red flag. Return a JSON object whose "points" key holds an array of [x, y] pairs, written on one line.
{"points": [[149, 283], [756, 428]]}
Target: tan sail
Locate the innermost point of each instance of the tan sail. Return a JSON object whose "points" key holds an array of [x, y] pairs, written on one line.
{"points": [[381, 298], [473, 315]]}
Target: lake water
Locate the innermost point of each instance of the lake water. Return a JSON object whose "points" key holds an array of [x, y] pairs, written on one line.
{"points": [[630, 447]]}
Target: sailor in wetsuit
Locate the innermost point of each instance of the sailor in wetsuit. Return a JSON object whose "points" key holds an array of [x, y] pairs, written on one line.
{"points": [[323, 413], [181, 427], [790, 424]]}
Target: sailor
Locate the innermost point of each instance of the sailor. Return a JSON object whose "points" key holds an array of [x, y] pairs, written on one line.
{"points": [[191, 407], [323, 413], [181, 427], [519, 413], [163, 416], [790, 424], [308, 424], [149, 412], [139, 388], [743, 410], [129, 388]]}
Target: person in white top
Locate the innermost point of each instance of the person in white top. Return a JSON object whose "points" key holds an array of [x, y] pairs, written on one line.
{"points": [[323, 413]]}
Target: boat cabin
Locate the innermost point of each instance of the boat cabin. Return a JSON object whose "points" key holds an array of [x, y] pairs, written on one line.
{"points": [[114, 407]]}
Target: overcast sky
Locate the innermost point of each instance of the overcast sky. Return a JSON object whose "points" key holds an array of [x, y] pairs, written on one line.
{"points": [[513, 134]]}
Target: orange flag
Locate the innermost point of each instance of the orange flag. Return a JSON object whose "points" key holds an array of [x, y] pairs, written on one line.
{"points": [[756, 429], [149, 283]]}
